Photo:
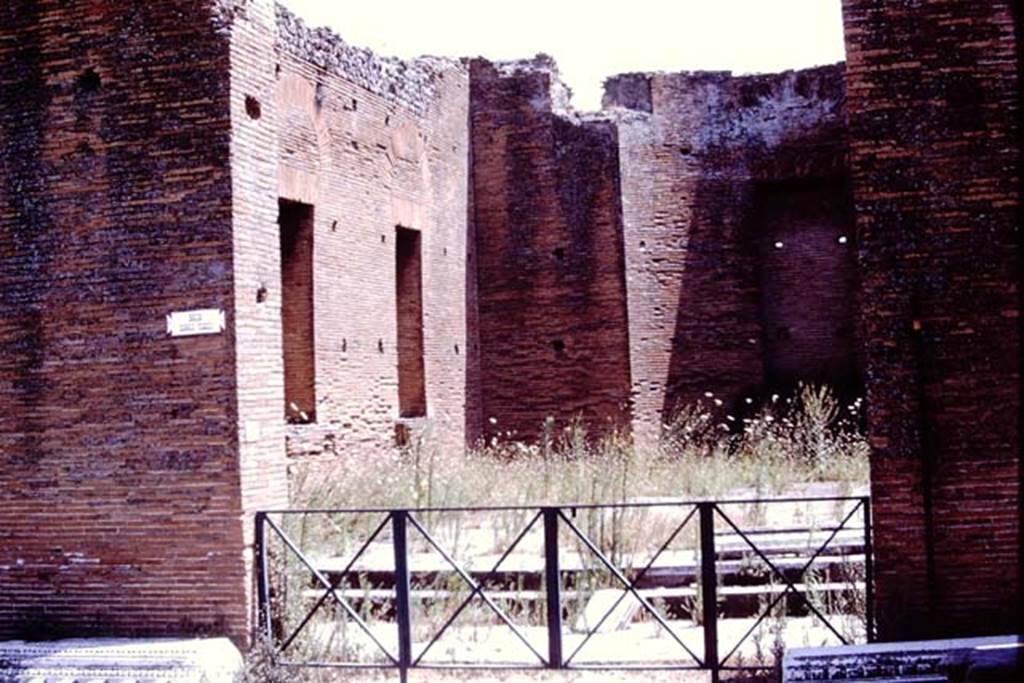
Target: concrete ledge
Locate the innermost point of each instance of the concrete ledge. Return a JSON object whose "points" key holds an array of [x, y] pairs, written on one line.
{"points": [[925, 661], [214, 660]]}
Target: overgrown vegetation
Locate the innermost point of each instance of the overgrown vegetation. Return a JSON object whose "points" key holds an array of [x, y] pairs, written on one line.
{"points": [[809, 438]]}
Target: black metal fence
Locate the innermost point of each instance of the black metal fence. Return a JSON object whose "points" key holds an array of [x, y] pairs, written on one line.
{"points": [[300, 581]]}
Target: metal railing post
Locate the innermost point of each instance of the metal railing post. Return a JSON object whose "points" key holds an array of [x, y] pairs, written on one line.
{"points": [[869, 573], [263, 577], [552, 581], [709, 588], [399, 519]]}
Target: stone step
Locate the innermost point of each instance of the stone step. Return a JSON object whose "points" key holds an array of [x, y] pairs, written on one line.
{"points": [[154, 660]]}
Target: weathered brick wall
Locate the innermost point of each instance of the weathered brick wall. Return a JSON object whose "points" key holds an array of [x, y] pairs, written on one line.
{"points": [[934, 117], [373, 144], [715, 170], [120, 498], [552, 316]]}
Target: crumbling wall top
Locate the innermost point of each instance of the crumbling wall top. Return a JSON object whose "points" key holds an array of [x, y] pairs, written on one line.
{"points": [[411, 83]]}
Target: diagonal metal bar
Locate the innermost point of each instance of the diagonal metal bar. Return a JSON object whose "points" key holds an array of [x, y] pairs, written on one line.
{"points": [[478, 589], [803, 570], [760, 618], [789, 585], [632, 584], [326, 584], [629, 587], [803, 596], [334, 584], [473, 584], [831, 537]]}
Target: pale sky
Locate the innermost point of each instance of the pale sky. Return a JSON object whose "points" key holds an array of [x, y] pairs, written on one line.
{"points": [[593, 40]]}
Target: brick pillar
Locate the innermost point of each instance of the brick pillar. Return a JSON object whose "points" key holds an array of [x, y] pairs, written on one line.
{"points": [[934, 111], [123, 482]]}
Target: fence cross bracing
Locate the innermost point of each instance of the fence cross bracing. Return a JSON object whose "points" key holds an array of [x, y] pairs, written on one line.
{"points": [[703, 569]]}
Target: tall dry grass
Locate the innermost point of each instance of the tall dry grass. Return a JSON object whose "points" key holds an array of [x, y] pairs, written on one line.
{"points": [[811, 437]]}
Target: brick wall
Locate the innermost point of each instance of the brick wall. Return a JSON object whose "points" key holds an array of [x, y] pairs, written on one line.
{"points": [[552, 316], [120, 505], [934, 116], [715, 170], [375, 144]]}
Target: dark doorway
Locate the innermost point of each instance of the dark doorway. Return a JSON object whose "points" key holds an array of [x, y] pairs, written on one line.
{"points": [[412, 389], [296, 228]]}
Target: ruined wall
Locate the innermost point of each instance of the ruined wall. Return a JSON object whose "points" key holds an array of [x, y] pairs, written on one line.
{"points": [[733, 204], [121, 487], [552, 306], [374, 144], [934, 116]]}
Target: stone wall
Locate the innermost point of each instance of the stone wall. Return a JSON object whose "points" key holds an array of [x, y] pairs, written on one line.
{"points": [[934, 115], [552, 306], [733, 204], [373, 145]]}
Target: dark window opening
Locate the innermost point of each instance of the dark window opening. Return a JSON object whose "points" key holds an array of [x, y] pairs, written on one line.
{"points": [[296, 229], [412, 387], [559, 253], [558, 345]]}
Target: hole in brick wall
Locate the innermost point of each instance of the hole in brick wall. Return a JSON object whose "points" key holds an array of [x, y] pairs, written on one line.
{"points": [[344, 344], [643, 244], [383, 239], [558, 345], [334, 226], [355, 145], [782, 334], [403, 435], [319, 96], [277, 69], [89, 81], [261, 294], [456, 349], [296, 234], [559, 253], [445, 251], [685, 151], [412, 387], [253, 107], [387, 120]]}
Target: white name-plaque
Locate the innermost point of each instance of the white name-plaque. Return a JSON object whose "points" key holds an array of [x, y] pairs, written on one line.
{"points": [[191, 323]]}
